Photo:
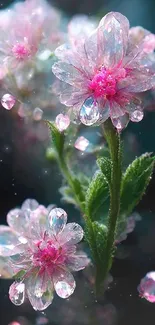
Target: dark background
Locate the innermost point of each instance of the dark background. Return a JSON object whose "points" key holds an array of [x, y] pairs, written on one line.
{"points": [[24, 172]]}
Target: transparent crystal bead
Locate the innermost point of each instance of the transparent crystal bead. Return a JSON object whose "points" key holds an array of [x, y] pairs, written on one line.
{"points": [[37, 114], [89, 113], [137, 116], [8, 101], [81, 143], [57, 220], [64, 289], [62, 122], [17, 293]]}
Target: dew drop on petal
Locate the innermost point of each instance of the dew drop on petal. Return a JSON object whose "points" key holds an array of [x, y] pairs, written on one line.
{"points": [[37, 114], [146, 287], [8, 101], [81, 143], [62, 122], [89, 113], [63, 289], [17, 293], [137, 116], [57, 220]]}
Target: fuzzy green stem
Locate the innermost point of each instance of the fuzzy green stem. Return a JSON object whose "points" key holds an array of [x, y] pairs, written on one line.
{"points": [[113, 140], [67, 173]]}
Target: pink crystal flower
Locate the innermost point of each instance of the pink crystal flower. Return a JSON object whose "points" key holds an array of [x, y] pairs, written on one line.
{"points": [[102, 76], [146, 287], [41, 248], [130, 226], [79, 28], [20, 43]]}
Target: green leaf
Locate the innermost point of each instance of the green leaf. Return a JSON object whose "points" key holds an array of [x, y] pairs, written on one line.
{"points": [[19, 275], [135, 181], [67, 195], [96, 236], [96, 196], [105, 164], [100, 232], [58, 138]]}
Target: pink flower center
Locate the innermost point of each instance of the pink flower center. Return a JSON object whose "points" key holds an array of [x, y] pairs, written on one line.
{"points": [[104, 83], [21, 51], [48, 257]]}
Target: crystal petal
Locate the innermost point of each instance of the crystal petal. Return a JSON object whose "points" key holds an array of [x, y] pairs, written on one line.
{"points": [[121, 122], [78, 262], [72, 234], [30, 204], [9, 243], [18, 220], [39, 291], [113, 35]]}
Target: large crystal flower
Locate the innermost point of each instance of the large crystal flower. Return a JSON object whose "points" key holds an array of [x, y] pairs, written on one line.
{"points": [[101, 76], [28, 33], [41, 250]]}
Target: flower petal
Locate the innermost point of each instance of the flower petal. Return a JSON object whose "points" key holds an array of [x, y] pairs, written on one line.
{"points": [[9, 243], [113, 34], [121, 122], [72, 234], [57, 219], [39, 291], [116, 110], [68, 73], [69, 95], [78, 261], [18, 220], [5, 271], [37, 223], [30, 204], [138, 81], [64, 283]]}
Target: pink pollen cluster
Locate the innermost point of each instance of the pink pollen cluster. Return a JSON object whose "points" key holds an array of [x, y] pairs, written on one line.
{"points": [[103, 84], [21, 51], [48, 257]]}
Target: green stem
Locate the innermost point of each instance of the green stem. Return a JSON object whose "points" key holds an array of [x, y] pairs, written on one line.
{"points": [[67, 173], [113, 139]]}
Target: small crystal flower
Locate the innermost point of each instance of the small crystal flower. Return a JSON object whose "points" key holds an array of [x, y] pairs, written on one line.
{"points": [[101, 76], [41, 247], [130, 226], [146, 287]]}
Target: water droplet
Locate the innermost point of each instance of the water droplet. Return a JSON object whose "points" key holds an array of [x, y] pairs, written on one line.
{"points": [[37, 114], [62, 122], [8, 101], [17, 293], [81, 143], [147, 287], [89, 113], [137, 116], [57, 220], [64, 289]]}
